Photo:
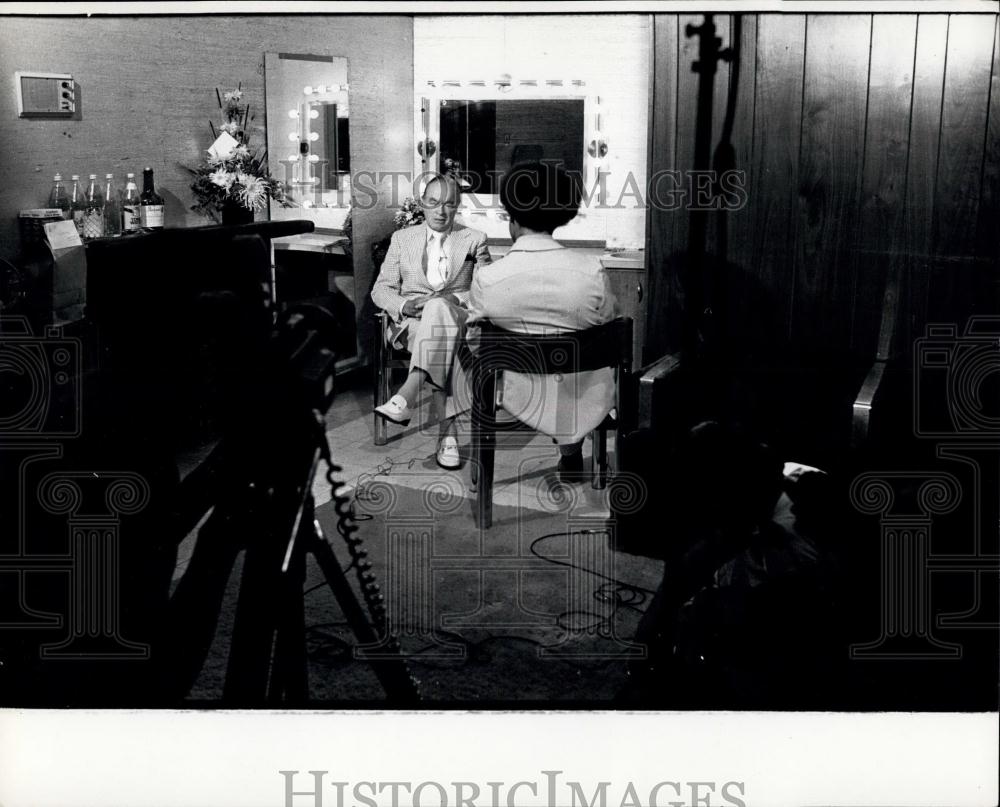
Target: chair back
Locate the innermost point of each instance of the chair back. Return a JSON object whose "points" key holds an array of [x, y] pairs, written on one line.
{"points": [[607, 345]]}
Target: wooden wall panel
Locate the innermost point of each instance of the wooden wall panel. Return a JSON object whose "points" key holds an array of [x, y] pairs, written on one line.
{"points": [[662, 311], [988, 233], [925, 135], [964, 110], [883, 194], [831, 156], [774, 171], [743, 81], [871, 146]]}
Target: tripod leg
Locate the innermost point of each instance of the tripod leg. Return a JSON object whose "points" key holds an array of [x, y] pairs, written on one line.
{"points": [[392, 672], [194, 607], [290, 682], [256, 623]]}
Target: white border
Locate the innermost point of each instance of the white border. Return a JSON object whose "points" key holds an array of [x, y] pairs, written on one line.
{"points": [[164, 758]]}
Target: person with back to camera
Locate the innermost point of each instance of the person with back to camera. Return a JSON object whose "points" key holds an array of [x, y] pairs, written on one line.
{"points": [[543, 287]]}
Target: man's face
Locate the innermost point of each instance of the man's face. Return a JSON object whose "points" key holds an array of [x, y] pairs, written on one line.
{"points": [[440, 202]]}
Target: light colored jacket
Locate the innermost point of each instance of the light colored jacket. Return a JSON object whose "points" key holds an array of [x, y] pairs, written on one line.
{"points": [[543, 287], [403, 273]]}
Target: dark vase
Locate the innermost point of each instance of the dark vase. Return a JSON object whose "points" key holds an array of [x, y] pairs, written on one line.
{"points": [[235, 213]]}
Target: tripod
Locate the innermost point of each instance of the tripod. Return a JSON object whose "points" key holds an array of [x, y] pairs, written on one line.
{"points": [[264, 506], [280, 675]]}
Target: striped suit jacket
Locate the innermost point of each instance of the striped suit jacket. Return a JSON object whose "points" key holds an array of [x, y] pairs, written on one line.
{"points": [[403, 276]]}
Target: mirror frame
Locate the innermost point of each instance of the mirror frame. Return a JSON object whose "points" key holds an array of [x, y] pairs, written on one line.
{"points": [[325, 218]]}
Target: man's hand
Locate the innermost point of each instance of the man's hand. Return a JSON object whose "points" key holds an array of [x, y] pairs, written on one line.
{"points": [[414, 305]]}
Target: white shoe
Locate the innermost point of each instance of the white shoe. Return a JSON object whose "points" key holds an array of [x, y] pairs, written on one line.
{"points": [[447, 453], [395, 409]]}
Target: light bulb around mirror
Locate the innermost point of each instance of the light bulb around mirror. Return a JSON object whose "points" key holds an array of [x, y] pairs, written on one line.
{"points": [[314, 136], [293, 135], [307, 90], [293, 113], [313, 114]]}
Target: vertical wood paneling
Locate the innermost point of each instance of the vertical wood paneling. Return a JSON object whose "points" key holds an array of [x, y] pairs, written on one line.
{"points": [[687, 89], [881, 235], [833, 130], [687, 102], [925, 134], [774, 174], [963, 117], [964, 112], [739, 311], [660, 307], [865, 157], [738, 222], [724, 31], [988, 235]]}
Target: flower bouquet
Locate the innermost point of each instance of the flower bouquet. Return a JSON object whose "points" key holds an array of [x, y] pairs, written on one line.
{"points": [[234, 180], [411, 212]]}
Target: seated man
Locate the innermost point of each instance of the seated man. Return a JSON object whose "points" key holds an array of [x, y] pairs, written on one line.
{"points": [[541, 287], [424, 286]]}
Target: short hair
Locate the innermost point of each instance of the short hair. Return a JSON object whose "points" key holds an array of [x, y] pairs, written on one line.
{"points": [[450, 179], [541, 196]]}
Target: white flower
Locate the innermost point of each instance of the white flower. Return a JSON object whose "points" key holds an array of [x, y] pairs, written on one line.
{"points": [[234, 96], [230, 127], [252, 191], [240, 151], [222, 178]]}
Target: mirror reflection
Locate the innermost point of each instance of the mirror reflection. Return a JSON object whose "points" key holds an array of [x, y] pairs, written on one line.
{"points": [[308, 127], [485, 138]]}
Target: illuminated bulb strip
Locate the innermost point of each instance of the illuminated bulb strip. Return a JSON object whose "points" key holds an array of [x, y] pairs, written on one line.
{"points": [[524, 82]]}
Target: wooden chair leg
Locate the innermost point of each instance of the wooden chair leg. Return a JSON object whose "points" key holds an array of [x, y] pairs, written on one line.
{"points": [[599, 459], [483, 444], [380, 393], [484, 490]]}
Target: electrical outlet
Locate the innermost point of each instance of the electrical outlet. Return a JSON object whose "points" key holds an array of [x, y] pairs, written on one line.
{"points": [[45, 95]]}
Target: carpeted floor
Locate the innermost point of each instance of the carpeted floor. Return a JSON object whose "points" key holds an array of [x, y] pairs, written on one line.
{"points": [[536, 610]]}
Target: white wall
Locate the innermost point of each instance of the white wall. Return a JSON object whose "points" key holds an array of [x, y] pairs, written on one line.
{"points": [[610, 52]]}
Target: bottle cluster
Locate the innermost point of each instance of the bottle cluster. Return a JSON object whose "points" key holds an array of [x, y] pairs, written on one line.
{"points": [[100, 210]]}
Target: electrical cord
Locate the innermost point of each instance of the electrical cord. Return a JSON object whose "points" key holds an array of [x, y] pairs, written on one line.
{"points": [[622, 595]]}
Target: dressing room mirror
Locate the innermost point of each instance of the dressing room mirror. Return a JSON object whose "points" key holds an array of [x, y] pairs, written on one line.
{"points": [[308, 135], [484, 138]]}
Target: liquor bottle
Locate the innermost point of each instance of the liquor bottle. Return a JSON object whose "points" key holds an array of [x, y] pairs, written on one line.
{"points": [[93, 214], [58, 198], [76, 203], [130, 205], [150, 203], [112, 207]]}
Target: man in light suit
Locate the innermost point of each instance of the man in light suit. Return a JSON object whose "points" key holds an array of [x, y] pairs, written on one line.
{"points": [[542, 287], [424, 286]]}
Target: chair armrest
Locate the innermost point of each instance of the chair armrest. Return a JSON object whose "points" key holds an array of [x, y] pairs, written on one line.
{"points": [[864, 401], [652, 375]]}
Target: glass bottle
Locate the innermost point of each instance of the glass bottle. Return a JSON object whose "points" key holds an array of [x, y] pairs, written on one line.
{"points": [[58, 198], [151, 203], [93, 215], [112, 207], [76, 203], [130, 205]]}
